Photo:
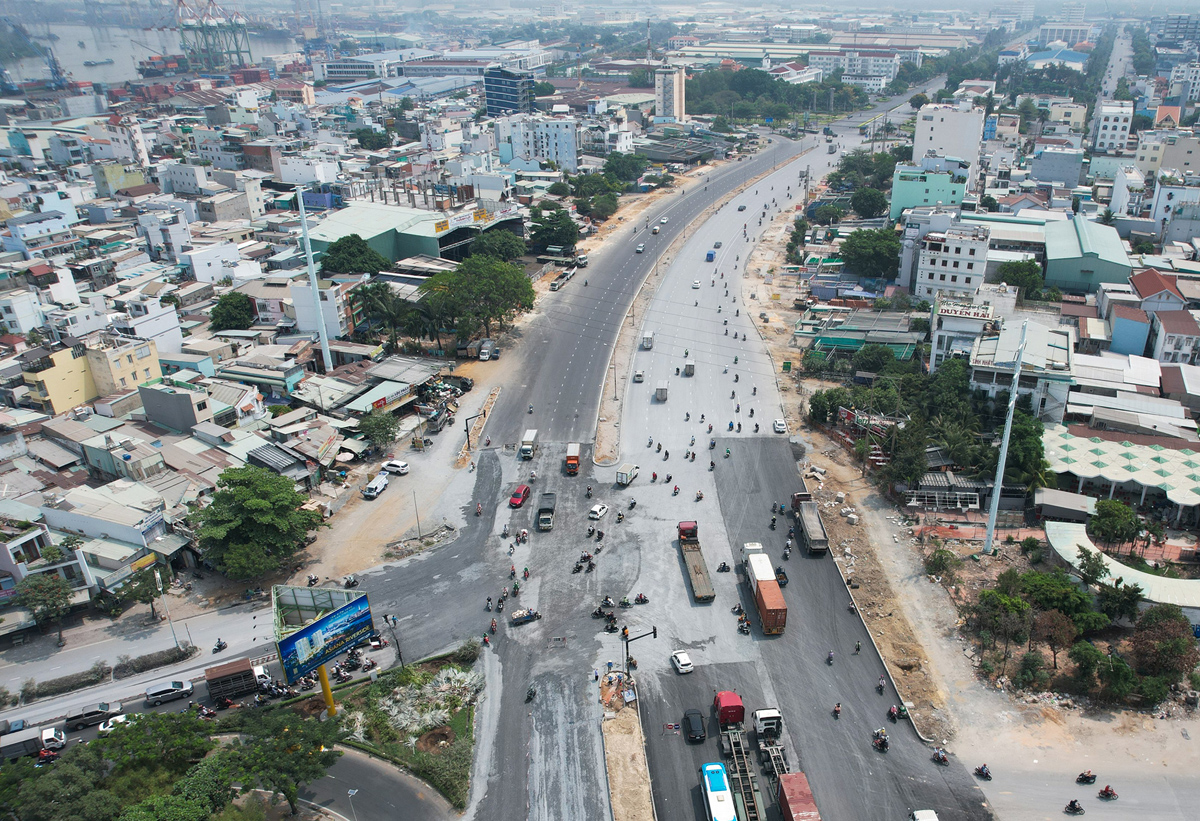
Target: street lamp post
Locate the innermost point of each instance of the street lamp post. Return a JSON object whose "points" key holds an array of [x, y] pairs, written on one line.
{"points": [[350, 795]]}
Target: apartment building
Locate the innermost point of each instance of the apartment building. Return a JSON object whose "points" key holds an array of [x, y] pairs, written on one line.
{"points": [[41, 234], [119, 365], [952, 262], [57, 376], [1188, 73], [1174, 337], [951, 131], [545, 139], [1045, 372], [669, 94], [934, 180], [1110, 125]]}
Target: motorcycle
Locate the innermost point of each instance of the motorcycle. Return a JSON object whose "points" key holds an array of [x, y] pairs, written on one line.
{"points": [[489, 603], [599, 613], [224, 703], [641, 598], [219, 646], [504, 533], [772, 522], [1086, 778], [787, 553], [589, 491], [984, 773], [1108, 794], [350, 581], [893, 713], [712, 444], [577, 568], [632, 504], [693, 456], [699, 495], [313, 580], [881, 744], [723, 567], [737, 610], [675, 490], [591, 566], [369, 664], [1073, 809], [625, 602], [744, 628], [500, 606], [837, 710], [940, 757]]}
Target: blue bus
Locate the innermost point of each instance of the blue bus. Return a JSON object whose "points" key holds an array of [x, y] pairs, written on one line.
{"points": [[718, 798]]}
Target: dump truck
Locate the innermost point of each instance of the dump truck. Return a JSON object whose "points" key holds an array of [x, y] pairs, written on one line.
{"points": [[528, 442], [660, 393], [742, 781], [626, 473], [231, 680], [545, 518], [572, 458], [768, 597], [524, 616], [796, 802], [812, 529], [693, 559]]}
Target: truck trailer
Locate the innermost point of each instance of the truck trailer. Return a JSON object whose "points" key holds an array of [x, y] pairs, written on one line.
{"points": [[528, 443], [812, 529], [626, 473], [237, 678], [693, 559], [768, 598], [796, 802]]}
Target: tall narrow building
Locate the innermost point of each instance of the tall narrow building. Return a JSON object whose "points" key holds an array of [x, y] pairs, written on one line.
{"points": [[668, 94]]}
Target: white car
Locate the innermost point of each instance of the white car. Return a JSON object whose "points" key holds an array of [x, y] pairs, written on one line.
{"points": [[112, 724], [663, 220], [639, 376], [641, 247], [396, 466], [682, 662], [695, 283], [779, 426], [598, 511]]}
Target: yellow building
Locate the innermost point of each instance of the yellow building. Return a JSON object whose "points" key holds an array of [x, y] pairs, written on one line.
{"points": [[58, 376], [122, 364]]}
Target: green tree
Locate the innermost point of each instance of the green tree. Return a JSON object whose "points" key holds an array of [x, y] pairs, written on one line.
{"points": [[501, 244], [1114, 522], [352, 255], [281, 752], [47, 596], [234, 311], [869, 203], [640, 78], [827, 214], [1026, 276], [67, 792], [254, 523], [1055, 591], [484, 291], [872, 253], [604, 206], [544, 89], [372, 140], [1087, 659], [919, 325], [559, 189], [380, 428], [554, 227], [1117, 678], [1107, 217], [909, 461], [625, 167], [918, 100], [141, 587], [988, 203], [1119, 601], [1056, 630], [174, 741], [1163, 644], [1091, 566], [873, 358]]}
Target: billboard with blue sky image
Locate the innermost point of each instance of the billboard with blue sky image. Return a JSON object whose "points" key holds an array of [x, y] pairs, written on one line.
{"points": [[326, 638]]}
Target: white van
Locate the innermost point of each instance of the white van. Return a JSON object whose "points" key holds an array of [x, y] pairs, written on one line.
{"points": [[375, 486]]}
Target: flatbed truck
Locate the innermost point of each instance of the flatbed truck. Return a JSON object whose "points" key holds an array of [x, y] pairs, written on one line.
{"points": [[693, 559]]}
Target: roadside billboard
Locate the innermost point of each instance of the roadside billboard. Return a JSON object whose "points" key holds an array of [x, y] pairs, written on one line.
{"points": [[329, 636]]}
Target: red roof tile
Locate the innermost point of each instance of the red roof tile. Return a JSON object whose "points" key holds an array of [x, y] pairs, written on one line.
{"points": [[1178, 322], [1131, 313], [1150, 282]]}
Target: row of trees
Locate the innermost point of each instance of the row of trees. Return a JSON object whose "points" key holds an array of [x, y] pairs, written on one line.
{"points": [[169, 767], [943, 411], [753, 94]]}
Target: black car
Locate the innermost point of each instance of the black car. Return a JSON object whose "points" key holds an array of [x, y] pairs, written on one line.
{"points": [[693, 725], [741, 208]]}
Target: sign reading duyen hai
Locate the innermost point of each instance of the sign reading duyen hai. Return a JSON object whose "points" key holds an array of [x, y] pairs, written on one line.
{"points": [[327, 637]]}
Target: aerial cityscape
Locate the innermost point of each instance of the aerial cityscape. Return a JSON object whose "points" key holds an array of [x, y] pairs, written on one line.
{"points": [[345, 348]]}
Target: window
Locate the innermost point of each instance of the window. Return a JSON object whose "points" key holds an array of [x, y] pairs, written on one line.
{"points": [[968, 280], [958, 249], [122, 381], [201, 406], [942, 277], [129, 358], [970, 266], [944, 263], [972, 252], [147, 373]]}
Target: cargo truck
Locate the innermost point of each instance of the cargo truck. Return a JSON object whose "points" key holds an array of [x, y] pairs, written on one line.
{"points": [[812, 529], [231, 680], [693, 559], [796, 802], [768, 598], [626, 473], [528, 442], [545, 518], [660, 393], [21, 743], [647, 340], [747, 549], [573, 458]]}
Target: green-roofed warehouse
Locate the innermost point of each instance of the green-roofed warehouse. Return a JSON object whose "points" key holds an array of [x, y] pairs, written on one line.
{"points": [[1080, 255]]}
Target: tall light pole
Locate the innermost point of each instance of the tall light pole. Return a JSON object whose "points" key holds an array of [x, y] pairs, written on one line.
{"points": [[994, 507], [158, 583], [322, 334], [350, 795]]}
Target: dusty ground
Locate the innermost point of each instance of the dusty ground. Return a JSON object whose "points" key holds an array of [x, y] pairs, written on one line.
{"points": [[624, 754]]}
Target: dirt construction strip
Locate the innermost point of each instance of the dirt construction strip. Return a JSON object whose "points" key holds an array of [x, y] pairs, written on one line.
{"points": [[625, 752]]}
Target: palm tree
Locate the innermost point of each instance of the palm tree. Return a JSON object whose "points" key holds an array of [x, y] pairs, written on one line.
{"points": [[1107, 217]]}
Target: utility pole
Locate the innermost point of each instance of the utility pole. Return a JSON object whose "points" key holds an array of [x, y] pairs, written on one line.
{"points": [[994, 507], [322, 334]]}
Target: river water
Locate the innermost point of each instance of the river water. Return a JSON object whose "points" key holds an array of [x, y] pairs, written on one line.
{"points": [[124, 46]]}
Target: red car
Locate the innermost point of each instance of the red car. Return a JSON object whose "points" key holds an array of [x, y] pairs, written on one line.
{"points": [[519, 496]]}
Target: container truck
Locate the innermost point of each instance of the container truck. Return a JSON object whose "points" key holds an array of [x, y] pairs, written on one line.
{"points": [[231, 680], [768, 598], [796, 802], [734, 744], [626, 473], [573, 458], [21, 743], [528, 442], [545, 518], [812, 529], [693, 559], [747, 549]]}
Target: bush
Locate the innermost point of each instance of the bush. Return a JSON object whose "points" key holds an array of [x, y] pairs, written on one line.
{"points": [[98, 673], [127, 666], [1030, 544], [467, 652], [987, 668], [1154, 689], [1032, 672], [941, 562]]}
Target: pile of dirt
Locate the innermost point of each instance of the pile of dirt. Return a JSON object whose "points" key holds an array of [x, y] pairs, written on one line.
{"points": [[625, 760]]}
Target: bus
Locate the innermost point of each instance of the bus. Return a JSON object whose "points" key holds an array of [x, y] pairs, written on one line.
{"points": [[718, 797]]}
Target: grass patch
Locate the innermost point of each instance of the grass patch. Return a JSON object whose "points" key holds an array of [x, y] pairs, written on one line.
{"points": [[420, 717]]}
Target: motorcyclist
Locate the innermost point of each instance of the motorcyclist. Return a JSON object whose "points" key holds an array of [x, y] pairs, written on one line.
{"points": [[837, 709], [829, 658], [1108, 792], [984, 771], [479, 509], [772, 521], [531, 408], [1073, 805], [489, 603]]}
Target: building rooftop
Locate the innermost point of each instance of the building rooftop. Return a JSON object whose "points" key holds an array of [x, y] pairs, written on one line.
{"points": [[1150, 282], [1078, 238], [1181, 323]]}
